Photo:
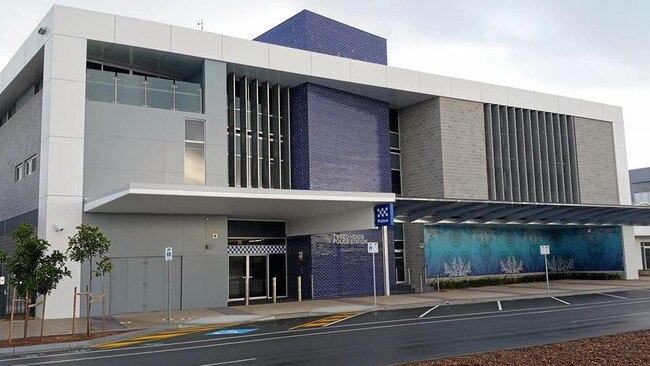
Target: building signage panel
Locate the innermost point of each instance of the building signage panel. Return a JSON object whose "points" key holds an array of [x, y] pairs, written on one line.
{"points": [[384, 215], [168, 253], [544, 250]]}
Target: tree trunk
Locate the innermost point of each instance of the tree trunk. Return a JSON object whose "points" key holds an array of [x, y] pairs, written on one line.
{"points": [[26, 315], [89, 297]]}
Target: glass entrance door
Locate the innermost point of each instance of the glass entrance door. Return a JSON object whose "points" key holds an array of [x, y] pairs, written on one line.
{"points": [[236, 277], [257, 276], [253, 267]]}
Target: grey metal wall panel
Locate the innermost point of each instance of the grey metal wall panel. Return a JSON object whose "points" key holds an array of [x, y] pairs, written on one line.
{"points": [[232, 137], [498, 154], [574, 163], [244, 126], [276, 170], [118, 294], [265, 97], [489, 151], [20, 139], [135, 294], [559, 161], [536, 148], [255, 131], [194, 277], [286, 138]]}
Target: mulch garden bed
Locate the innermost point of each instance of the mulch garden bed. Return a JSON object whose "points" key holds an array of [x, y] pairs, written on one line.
{"points": [[64, 338], [627, 349]]}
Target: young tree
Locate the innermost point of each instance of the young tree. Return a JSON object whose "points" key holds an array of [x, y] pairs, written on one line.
{"points": [[32, 270], [89, 242]]}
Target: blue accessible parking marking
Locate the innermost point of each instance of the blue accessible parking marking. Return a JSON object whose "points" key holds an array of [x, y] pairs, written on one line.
{"points": [[232, 331]]}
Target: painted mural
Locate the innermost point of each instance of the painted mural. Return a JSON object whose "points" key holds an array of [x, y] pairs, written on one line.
{"points": [[459, 251]]}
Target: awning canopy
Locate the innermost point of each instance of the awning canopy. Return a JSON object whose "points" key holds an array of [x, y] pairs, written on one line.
{"points": [[305, 212], [449, 211]]}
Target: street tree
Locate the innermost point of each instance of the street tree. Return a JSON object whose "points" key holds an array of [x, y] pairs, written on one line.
{"points": [[90, 245], [32, 270]]}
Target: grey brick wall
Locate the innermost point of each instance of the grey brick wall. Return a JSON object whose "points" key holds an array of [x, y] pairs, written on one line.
{"points": [[421, 152], [462, 129], [20, 138], [596, 161], [443, 149]]}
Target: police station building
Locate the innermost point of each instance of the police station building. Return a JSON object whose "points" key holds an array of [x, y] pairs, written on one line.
{"points": [[262, 159]]}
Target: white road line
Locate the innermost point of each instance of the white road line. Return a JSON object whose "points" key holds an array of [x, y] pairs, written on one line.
{"points": [[306, 332], [340, 320], [560, 300], [499, 305], [428, 311], [609, 317], [610, 295], [302, 335], [229, 362]]}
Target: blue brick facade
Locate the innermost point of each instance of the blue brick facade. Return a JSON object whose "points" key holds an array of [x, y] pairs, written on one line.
{"points": [[339, 141], [340, 264], [313, 32]]}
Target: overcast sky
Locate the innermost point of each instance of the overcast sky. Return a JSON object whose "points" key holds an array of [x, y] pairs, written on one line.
{"points": [[594, 50]]}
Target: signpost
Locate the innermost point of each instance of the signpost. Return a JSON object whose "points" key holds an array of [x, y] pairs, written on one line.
{"points": [[545, 250], [169, 254], [373, 247], [384, 217]]}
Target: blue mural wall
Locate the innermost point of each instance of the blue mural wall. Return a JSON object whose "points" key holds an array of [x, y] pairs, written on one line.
{"points": [[313, 32], [458, 251]]}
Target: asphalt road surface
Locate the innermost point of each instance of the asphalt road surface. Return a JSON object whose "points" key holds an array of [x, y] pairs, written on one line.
{"points": [[375, 338]]}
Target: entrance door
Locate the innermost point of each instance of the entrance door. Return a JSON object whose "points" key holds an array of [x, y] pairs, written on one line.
{"points": [[253, 267], [237, 276], [257, 276]]}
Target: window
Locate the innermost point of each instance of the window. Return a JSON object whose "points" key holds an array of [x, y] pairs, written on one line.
{"points": [[395, 158], [400, 263], [38, 86], [194, 152], [18, 172], [30, 165]]}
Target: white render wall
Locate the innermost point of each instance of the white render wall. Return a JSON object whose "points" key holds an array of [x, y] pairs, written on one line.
{"points": [[60, 202], [104, 27]]}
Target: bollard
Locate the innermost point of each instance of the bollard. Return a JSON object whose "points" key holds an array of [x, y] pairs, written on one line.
{"points": [[299, 288], [275, 290], [409, 272], [311, 295], [246, 288], [421, 286], [438, 282]]}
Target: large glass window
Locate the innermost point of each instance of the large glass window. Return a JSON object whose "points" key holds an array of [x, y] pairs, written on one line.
{"points": [[194, 152], [401, 272], [30, 165]]}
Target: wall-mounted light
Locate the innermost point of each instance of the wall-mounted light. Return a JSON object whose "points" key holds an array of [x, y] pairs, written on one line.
{"points": [[58, 228], [42, 30]]}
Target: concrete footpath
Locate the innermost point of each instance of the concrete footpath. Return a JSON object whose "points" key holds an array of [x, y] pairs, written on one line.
{"points": [[156, 321]]}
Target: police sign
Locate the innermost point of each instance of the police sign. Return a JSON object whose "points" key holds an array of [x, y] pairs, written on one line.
{"points": [[169, 253], [384, 215]]}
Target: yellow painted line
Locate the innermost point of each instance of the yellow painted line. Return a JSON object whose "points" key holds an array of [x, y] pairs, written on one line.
{"points": [[162, 335], [324, 321]]}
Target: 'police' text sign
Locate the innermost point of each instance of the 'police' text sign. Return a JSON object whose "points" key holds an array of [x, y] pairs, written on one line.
{"points": [[384, 215]]}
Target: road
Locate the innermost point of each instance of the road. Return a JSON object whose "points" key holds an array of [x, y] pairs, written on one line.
{"points": [[375, 338]]}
